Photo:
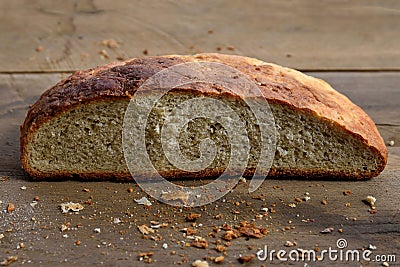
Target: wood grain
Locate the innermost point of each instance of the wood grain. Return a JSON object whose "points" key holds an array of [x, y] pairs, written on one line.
{"points": [[306, 34], [38, 228], [42, 41]]}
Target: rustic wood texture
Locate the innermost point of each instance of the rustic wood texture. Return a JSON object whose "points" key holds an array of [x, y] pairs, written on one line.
{"points": [[354, 45], [307, 35], [119, 244]]}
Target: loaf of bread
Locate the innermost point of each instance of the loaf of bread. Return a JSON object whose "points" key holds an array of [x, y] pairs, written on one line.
{"points": [[75, 129]]}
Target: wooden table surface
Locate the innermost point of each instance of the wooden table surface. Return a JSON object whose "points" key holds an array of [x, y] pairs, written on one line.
{"points": [[354, 45]]}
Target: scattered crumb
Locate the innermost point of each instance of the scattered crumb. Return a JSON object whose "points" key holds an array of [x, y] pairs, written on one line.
{"points": [[246, 258], [1, 236], [190, 231], [156, 226], [78, 242], [23, 187], [97, 230], [210, 31], [231, 234], [219, 259], [298, 200], [200, 263], [175, 195], [36, 198], [64, 227], [8, 260], [292, 205], [165, 246], [144, 229], [146, 52], [10, 207], [130, 190], [230, 48], [117, 220], [324, 202], [220, 248], [218, 216], [272, 210], [289, 244], [348, 204], [71, 206], [191, 217], [340, 230], [370, 200], [39, 49], [347, 192], [87, 190], [251, 230], [372, 211], [156, 237], [110, 43], [146, 257], [143, 201], [391, 143], [104, 53], [385, 264], [199, 243], [327, 230], [259, 197]]}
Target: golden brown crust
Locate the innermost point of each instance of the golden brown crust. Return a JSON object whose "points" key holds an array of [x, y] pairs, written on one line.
{"points": [[278, 84]]}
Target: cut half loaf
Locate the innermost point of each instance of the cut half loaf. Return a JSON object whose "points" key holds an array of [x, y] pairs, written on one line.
{"points": [[75, 129]]}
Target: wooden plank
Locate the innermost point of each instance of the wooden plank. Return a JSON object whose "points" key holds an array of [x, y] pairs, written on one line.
{"points": [[306, 34], [119, 244]]}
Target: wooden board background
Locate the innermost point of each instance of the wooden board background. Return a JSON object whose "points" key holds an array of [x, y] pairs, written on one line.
{"points": [[354, 45], [304, 34]]}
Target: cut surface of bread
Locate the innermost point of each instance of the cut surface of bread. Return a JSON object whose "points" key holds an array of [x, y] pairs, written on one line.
{"points": [[75, 129]]}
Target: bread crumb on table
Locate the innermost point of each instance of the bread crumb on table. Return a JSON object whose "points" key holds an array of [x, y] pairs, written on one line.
{"points": [[110, 43], [8, 260], [39, 49], [10, 208], [370, 200], [104, 53], [246, 258], [200, 263], [71, 206]]}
